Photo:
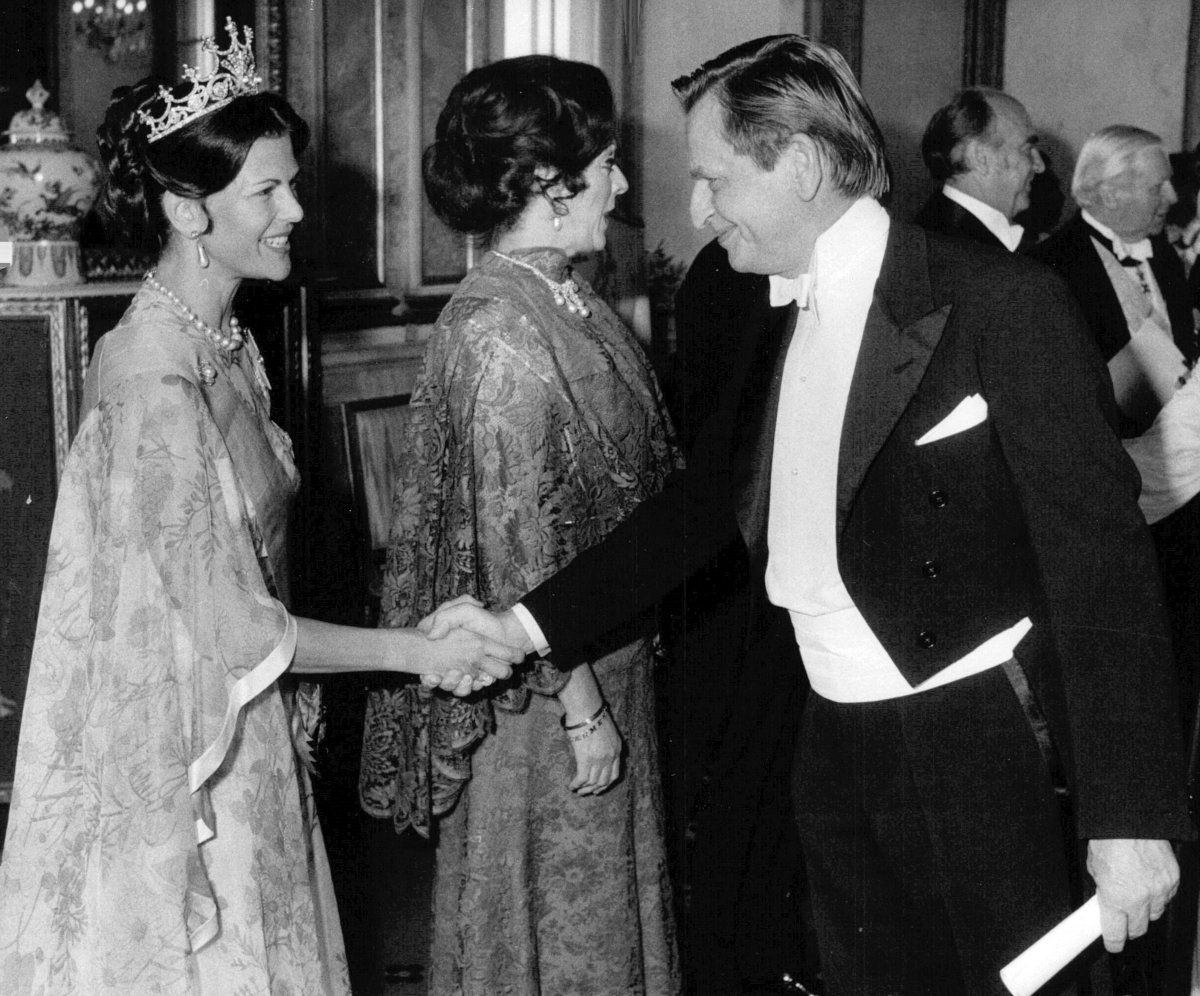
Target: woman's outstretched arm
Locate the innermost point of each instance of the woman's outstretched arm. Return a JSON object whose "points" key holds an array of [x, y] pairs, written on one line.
{"points": [[325, 648]]}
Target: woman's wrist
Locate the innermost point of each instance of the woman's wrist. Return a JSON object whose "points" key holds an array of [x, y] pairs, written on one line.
{"points": [[570, 722], [397, 651], [589, 727], [581, 697]]}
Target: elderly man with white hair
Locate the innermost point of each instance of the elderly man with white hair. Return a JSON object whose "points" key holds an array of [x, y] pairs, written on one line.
{"points": [[1134, 293], [1135, 297], [1123, 271]]}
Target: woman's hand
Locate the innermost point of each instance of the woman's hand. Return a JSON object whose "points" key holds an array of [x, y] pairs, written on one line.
{"points": [[595, 739], [462, 661], [456, 680], [597, 757]]}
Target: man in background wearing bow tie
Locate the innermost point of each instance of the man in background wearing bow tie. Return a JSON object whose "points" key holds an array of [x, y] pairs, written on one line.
{"points": [[983, 148], [1134, 293], [1123, 271], [914, 441]]}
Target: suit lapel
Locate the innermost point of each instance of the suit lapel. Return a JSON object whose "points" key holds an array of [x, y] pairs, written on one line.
{"points": [[1101, 305], [904, 326], [769, 330], [1172, 282]]}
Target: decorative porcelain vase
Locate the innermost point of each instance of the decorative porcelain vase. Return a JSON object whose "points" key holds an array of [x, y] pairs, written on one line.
{"points": [[47, 187]]}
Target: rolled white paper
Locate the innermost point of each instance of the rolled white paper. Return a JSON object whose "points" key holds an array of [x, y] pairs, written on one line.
{"points": [[6, 253], [1051, 953]]}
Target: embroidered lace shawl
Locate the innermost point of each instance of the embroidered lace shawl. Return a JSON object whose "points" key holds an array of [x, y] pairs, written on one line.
{"points": [[534, 432]]}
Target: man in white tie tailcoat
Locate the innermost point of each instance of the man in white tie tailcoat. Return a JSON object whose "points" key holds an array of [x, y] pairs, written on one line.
{"points": [[915, 443], [983, 149], [1134, 293]]}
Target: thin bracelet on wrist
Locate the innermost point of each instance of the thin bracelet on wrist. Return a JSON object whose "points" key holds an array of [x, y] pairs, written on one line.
{"points": [[576, 734], [586, 722]]}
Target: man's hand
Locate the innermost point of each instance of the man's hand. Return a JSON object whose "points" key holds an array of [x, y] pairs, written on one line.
{"points": [[1135, 879], [468, 613]]}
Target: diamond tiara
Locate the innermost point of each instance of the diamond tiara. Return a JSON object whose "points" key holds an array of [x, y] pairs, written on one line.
{"points": [[229, 74]]}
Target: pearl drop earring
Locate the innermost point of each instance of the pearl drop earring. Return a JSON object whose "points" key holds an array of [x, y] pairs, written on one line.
{"points": [[201, 253]]}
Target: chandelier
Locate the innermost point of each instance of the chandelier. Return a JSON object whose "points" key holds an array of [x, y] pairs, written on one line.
{"points": [[113, 27]]}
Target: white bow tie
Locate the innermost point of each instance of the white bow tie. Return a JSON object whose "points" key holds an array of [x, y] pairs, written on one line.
{"points": [[1141, 250], [785, 290]]}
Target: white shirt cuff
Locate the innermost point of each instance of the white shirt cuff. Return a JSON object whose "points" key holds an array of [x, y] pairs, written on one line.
{"points": [[532, 630]]}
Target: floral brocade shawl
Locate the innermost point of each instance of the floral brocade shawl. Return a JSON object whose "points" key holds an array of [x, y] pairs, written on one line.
{"points": [[157, 817], [535, 431]]}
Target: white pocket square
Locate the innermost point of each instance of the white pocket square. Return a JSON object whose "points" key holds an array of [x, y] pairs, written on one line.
{"points": [[967, 413]]}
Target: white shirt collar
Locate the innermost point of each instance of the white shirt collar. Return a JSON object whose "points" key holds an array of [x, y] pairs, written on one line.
{"points": [[994, 221], [1141, 250], [862, 227]]}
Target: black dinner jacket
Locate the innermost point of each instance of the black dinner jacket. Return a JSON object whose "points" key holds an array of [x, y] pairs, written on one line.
{"points": [[1072, 255], [1031, 512], [947, 217]]}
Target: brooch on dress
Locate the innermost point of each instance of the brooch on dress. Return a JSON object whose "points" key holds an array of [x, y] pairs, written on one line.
{"points": [[565, 293], [208, 373]]}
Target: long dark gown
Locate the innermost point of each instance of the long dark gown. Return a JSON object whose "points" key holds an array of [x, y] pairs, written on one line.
{"points": [[535, 431]]}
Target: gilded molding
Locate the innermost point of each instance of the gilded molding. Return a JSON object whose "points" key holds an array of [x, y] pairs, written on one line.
{"points": [[63, 403], [273, 28]]}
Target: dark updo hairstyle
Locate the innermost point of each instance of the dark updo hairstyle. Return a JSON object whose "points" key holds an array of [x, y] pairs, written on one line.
{"points": [[504, 121], [196, 160]]}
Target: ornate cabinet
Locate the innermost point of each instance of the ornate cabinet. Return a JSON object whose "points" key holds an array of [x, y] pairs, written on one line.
{"points": [[43, 354]]}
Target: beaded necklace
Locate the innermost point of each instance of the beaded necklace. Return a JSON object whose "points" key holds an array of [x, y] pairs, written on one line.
{"points": [[565, 293], [226, 342]]}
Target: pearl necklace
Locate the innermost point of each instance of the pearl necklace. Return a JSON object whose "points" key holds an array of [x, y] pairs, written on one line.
{"points": [[228, 343], [565, 293]]}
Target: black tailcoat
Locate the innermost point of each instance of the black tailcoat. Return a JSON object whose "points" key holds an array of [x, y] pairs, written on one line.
{"points": [[1032, 512], [947, 217]]}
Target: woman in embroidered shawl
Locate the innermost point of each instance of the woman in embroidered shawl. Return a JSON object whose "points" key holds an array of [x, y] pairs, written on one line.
{"points": [[538, 426], [162, 837]]}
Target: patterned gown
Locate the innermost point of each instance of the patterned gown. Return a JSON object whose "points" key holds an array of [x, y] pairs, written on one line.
{"points": [[161, 837], [535, 431]]}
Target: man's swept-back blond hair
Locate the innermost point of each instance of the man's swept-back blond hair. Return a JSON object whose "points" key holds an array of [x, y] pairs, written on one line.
{"points": [[772, 88]]}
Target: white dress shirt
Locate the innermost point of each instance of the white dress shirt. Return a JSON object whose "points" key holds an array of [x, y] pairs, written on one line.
{"points": [[994, 221], [842, 655]]}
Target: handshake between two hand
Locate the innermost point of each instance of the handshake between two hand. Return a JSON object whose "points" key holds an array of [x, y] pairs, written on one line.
{"points": [[472, 646]]}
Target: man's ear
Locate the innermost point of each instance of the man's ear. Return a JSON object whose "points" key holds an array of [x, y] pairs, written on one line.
{"points": [[978, 156], [802, 157], [185, 214]]}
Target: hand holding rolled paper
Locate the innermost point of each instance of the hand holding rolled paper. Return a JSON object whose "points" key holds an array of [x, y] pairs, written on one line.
{"points": [[1134, 878], [1056, 949]]}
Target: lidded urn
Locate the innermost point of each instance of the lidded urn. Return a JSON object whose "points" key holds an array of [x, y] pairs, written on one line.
{"points": [[47, 186]]}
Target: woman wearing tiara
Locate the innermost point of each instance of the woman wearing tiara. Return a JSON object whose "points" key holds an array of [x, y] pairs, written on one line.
{"points": [[538, 426], [162, 837]]}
